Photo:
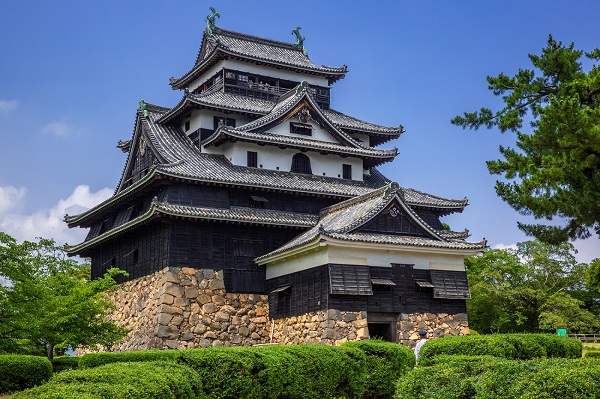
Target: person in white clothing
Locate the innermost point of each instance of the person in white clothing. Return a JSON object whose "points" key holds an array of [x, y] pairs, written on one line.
{"points": [[423, 335]]}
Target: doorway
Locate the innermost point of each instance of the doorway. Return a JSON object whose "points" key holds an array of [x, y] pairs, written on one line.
{"points": [[382, 326]]}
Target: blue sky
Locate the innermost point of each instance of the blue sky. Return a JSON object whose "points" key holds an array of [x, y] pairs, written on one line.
{"points": [[72, 73]]}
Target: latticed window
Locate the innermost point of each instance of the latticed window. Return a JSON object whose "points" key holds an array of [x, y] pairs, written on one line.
{"points": [[301, 164], [252, 160], [347, 171]]}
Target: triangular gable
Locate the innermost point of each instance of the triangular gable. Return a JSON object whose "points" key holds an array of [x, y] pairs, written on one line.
{"points": [[142, 156], [394, 216], [299, 103], [393, 220]]}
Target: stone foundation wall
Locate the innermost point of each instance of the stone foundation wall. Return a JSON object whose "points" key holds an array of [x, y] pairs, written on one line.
{"points": [[436, 325], [180, 308], [330, 327]]}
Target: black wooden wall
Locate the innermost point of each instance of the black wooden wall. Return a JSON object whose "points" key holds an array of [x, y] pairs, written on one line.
{"points": [[309, 292], [150, 242]]}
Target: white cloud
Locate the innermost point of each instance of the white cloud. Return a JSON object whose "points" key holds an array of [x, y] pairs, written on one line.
{"points": [[49, 223], [59, 129], [11, 198], [7, 106], [504, 246]]}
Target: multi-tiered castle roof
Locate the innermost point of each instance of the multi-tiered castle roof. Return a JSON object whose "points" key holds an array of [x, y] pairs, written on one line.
{"points": [[254, 141]]}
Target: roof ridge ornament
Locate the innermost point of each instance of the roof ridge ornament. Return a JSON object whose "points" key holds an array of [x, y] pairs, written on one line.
{"points": [[210, 21], [299, 40], [143, 108]]}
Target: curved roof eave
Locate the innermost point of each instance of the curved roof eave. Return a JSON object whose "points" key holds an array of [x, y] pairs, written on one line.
{"points": [[333, 74]]}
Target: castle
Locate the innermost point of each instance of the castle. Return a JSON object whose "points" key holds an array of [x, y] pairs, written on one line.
{"points": [[252, 212]]}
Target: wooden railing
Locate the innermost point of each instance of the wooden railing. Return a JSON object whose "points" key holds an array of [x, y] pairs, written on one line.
{"points": [[585, 337]]}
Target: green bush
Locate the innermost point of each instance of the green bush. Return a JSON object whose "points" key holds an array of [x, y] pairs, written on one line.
{"points": [[503, 379], [455, 380], [62, 363], [386, 362], [298, 371], [99, 359], [562, 347], [527, 346], [492, 345], [456, 360], [142, 380], [593, 354], [22, 371], [542, 378]]}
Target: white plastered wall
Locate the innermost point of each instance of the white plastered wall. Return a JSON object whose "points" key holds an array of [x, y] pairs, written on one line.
{"points": [[421, 259]]}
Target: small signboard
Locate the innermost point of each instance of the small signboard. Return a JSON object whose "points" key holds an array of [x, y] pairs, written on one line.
{"points": [[561, 331]]}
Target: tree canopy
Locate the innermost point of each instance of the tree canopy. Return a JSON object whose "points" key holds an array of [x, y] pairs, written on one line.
{"points": [[536, 287], [47, 299], [555, 172]]}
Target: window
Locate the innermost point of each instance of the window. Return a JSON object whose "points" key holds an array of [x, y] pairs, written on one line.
{"points": [[258, 202], [301, 128], [230, 75], [226, 121], [347, 171], [187, 126], [243, 78], [252, 159], [301, 164]]}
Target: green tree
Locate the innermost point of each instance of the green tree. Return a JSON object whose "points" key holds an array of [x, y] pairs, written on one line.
{"points": [[555, 172], [535, 287], [48, 301]]}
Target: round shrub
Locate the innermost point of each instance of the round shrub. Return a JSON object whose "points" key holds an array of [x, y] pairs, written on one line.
{"points": [[386, 362], [141, 380], [101, 358], [18, 372], [562, 347], [527, 346], [443, 381], [491, 345], [62, 363]]}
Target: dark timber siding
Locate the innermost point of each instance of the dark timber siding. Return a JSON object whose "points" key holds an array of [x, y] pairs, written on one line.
{"points": [[150, 243], [228, 247], [309, 292]]}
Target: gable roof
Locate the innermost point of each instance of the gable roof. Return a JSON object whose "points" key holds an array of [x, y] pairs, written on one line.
{"points": [[216, 99], [343, 220], [294, 102], [222, 44], [182, 159]]}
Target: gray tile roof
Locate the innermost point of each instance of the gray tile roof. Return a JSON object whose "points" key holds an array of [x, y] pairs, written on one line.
{"points": [[239, 214], [238, 103], [344, 121], [183, 159], [341, 220], [235, 214], [300, 142], [256, 49]]}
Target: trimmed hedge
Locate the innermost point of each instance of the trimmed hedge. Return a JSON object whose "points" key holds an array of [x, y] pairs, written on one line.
{"points": [[593, 354], [386, 362], [99, 359], [491, 345], [18, 372], [299, 371], [62, 363], [455, 360], [508, 346], [503, 379], [142, 380]]}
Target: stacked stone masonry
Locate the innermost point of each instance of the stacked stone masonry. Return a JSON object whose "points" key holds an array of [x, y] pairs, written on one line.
{"points": [[181, 308]]}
